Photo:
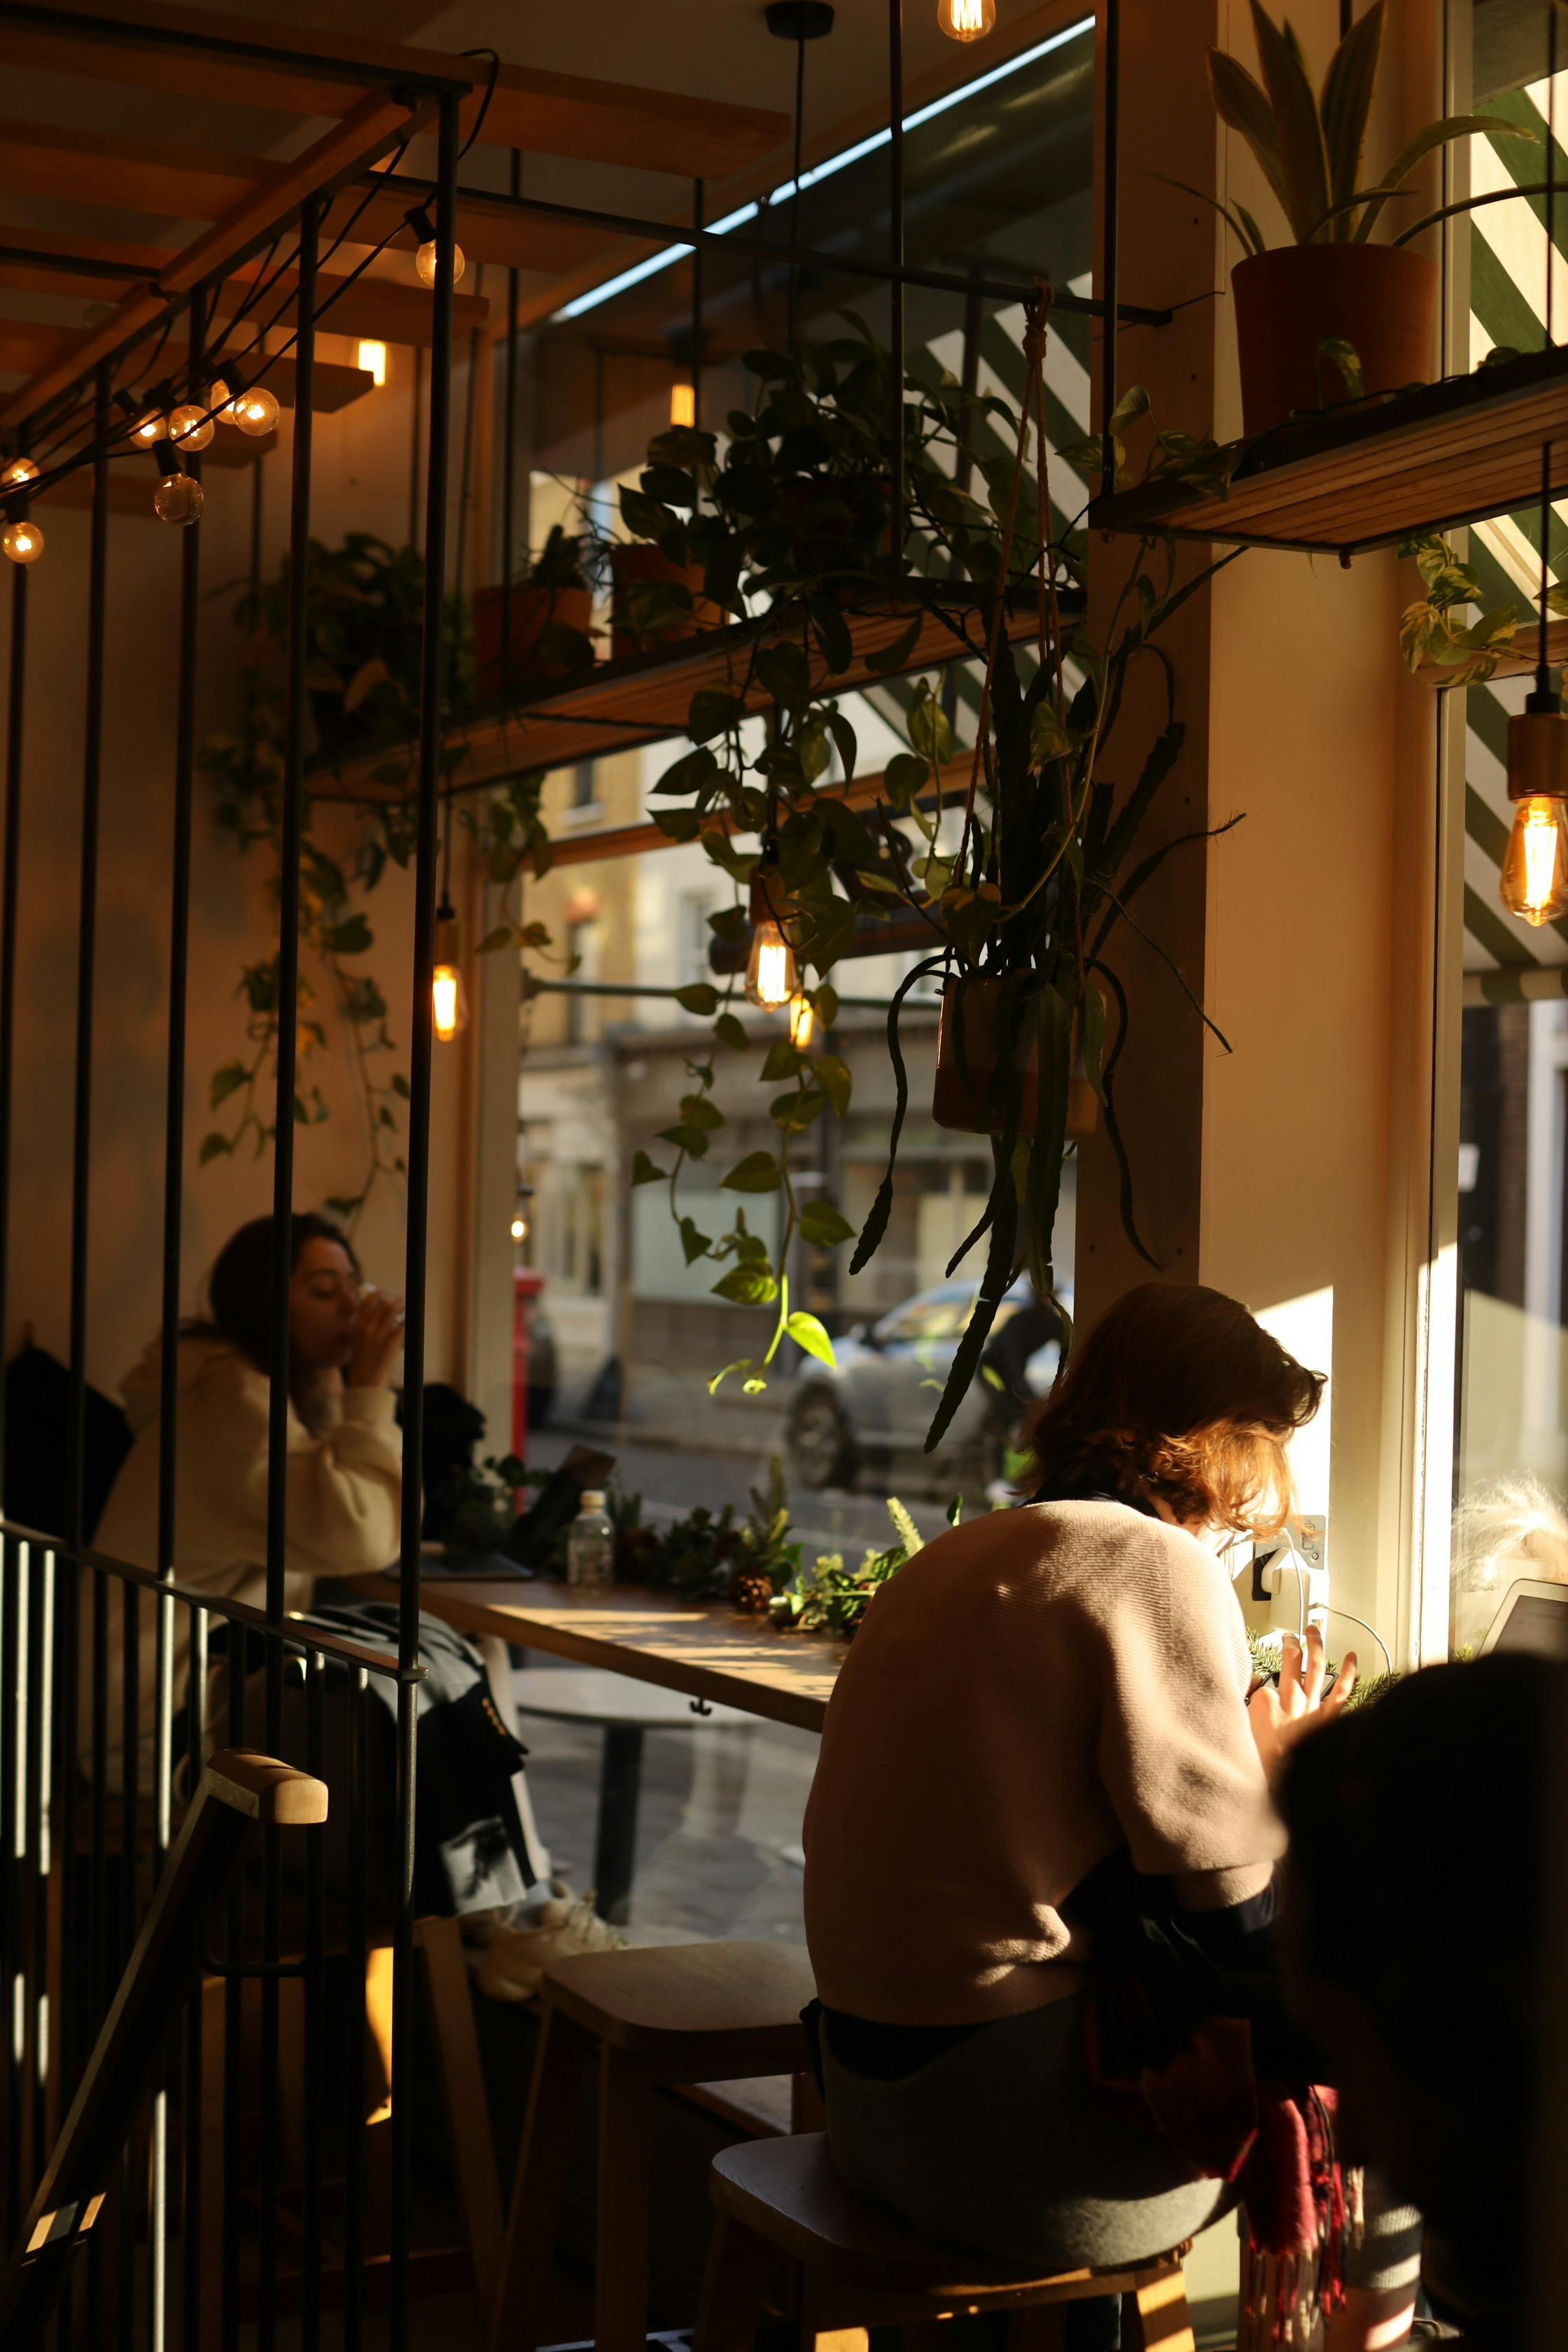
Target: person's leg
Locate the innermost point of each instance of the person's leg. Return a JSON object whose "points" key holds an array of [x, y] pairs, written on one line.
{"points": [[1381, 2274]]}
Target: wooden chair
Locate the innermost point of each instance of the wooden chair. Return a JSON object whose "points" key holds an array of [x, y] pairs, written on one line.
{"points": [[660, 2017], [860, 2267]]}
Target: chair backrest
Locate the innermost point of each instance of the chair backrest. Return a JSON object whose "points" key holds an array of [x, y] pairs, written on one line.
{"points": [[239, 1792]]}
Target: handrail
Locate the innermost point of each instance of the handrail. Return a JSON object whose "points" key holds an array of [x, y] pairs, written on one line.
{"points": [[238, 1791]]}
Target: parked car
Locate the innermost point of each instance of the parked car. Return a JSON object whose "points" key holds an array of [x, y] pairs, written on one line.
{"points": [[878, 1399]]}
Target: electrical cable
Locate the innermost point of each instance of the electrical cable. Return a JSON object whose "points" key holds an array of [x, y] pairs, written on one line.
{"points": [[494, 56], [1335, 1610]]}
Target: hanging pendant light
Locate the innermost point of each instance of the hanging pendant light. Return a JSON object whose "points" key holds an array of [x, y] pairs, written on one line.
{"points": [[424, 258], [966, 20], [772, 979], [1534, 880], [802, 1022], [448, 998]]}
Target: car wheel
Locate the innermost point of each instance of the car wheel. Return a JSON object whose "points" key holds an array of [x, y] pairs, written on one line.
{"points": [[821, 1444]]}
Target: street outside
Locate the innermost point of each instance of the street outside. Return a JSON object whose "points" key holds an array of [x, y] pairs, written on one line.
{"points": [[718, 1851]]}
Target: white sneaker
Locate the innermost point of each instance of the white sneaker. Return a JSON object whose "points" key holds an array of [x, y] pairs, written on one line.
{"points": [[514, 1958]]}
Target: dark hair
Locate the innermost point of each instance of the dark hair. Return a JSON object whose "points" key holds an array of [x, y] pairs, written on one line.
{"points": [[1417, 1827], [239, 1287], [1176, 1393]]}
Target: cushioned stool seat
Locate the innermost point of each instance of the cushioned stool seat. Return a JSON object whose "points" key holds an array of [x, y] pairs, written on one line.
{"points": [[860, 2266]]}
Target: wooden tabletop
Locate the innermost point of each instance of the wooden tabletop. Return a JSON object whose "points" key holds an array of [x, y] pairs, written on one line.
{"points": [[700, 1648]]}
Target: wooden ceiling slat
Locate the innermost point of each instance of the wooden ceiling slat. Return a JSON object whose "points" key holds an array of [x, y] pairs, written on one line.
{"points": [[554, 114], [486, 231]]}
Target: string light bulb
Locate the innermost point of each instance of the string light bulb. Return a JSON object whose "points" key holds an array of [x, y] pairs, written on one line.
{"points": [[373, 361], [190, 428], [178, 498], [22, 543], [19, 470], [519, 1228], [220, 400], [1535, 881], [802, 1022], [256, 411], [150, 426], [449, 999], [966, 20], [683, 403], [425, 263], [772, 979]]}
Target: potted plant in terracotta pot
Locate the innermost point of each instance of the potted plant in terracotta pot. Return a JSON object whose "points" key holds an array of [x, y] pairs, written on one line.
{"points": [[552, 614], [1332, 311]]}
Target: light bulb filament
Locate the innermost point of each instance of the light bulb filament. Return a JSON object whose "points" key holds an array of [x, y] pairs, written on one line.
{"points": [[1535, 881], [444, 988], [770, 969]]}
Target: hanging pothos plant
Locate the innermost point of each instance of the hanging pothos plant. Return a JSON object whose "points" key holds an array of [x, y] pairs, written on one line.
{"points": [[791, 521], [365, 606]]}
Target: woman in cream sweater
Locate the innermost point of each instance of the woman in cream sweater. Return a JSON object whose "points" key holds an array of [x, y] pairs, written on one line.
{"points": [[1041, 1696], [344, 1456]]}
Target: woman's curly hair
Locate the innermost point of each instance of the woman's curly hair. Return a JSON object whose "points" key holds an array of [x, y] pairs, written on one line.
{"points": [[1178, 1395]]}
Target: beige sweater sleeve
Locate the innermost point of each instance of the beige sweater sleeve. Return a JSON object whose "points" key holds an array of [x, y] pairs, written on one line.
{"points": [[1175, 1752], [345, 1489]]}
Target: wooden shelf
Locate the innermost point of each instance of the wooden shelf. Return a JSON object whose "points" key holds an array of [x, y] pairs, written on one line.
{"points": [[622, 706], [1431, 459]]}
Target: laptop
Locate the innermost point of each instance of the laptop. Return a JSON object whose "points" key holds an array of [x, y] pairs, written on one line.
{"points": [[1534, 1616]]}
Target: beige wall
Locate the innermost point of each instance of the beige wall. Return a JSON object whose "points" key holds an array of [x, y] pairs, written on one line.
{"points": [[1293, 1171], [362, 478]]}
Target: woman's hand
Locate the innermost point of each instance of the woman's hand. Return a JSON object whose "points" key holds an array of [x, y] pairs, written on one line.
{"points": [[377, 1340], [1281, 1717]]}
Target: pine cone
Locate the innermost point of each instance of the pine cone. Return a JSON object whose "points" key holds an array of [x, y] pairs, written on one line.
{"points": [[751, 1592]]}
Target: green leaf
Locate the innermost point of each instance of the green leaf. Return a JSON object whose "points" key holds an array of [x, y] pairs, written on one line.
{"points": [[645, 1172], [1346, 103], [353, 937], [400, 1085], [369, 676], [824, 1226], [783, 1061], [213, 1147], [904, 779], [1347, 358], [930, 730], [1300, 133], [729, 1032], [711, 712], [897, 655], [744, 1365], [758, 1172], [1049, 739], [825, 1001], [677, 825], [784, 672], [1239, 102], [701, 1111], [225, 1082], [746, 1285], [833, 1076], [693, 1244], [690, 773], [701, 997], [792, 1113], [809, 1333]]}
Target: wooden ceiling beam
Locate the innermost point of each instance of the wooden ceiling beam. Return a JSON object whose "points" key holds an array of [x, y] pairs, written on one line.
{"points": [[295, 70], [362, 137], [488, 230]]}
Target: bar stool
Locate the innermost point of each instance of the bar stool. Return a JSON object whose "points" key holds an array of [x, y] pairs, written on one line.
{"points": [[661, 2016], [860, 2268]]}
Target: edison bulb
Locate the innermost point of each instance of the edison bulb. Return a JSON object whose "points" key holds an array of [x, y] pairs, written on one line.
{"points": [[770, 977], [683, 403], [190, 428], [450, 1004], [220, 400], [256, 412], [178, 498], [519, 1228], [20, 469], [1535, 870], [373, 360], [22, 541], [150, 426], [802, 1023], [425, 264], [966, 20]]}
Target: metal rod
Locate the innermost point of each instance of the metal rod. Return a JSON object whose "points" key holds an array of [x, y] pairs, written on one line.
{"points": [[699, 209], [896, 262], [1111, 149], [418, 1155], [286, 999], [315, 2020], [509, 464], [197, 2153], [125, 32], [356, 1942], [611, 988], [793, 313], [232, 2034], [941, 281], [12, 1765]]}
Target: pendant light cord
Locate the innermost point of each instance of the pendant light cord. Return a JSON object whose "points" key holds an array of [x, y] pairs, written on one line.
{"points": [[794, 191]]}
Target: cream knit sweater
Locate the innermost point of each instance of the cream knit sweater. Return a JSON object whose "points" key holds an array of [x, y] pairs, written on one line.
{"points": [[1030, 1693], [345, 1495]]}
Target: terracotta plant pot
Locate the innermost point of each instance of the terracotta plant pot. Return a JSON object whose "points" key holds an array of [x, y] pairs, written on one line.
{"points": [[960, 1099], [633, 562], [1382, 300], [534, 609]]}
